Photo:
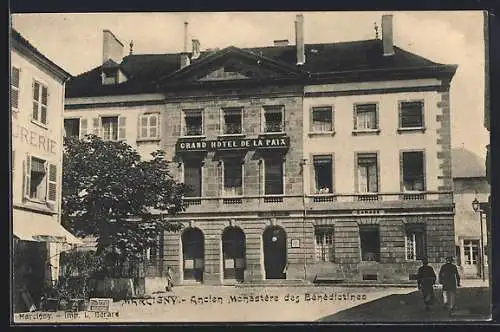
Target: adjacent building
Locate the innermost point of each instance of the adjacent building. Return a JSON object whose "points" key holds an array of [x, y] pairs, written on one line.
{"points": [[470, 182], [303, 161], [36, 107]]}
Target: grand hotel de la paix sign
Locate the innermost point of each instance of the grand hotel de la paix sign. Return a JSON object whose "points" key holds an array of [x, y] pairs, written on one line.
{"points": [[228, 144]]}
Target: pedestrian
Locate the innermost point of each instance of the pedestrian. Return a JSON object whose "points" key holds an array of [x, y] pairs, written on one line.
{"points": [[426, 278], [170, 282], [450, 279]]}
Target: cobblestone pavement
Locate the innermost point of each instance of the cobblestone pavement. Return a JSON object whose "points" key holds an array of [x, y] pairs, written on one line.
{"points": [[230, 304]]}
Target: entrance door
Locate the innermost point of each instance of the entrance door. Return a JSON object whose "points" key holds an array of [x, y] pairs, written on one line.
{"points": [[274, 240], [233, 249], [471, 261], [193, 254]]}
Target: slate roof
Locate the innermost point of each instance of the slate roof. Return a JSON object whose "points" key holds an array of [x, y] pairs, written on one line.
{"points": [[142, 70], [16, 37], [467, 164]]}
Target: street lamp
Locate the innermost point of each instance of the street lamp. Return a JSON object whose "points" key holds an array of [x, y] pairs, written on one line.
{"points": [[476, 206]]}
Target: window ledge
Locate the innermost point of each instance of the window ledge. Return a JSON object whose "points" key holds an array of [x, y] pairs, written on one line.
{"points": [[231, 135], [272, 133], [39, 124], [151, 139], [37, 205], [321, 133], [411, 130], [356, 132], [193, 136]]}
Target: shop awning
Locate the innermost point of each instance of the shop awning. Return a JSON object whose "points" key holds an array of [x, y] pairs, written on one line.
{"points": [[41, 231]]}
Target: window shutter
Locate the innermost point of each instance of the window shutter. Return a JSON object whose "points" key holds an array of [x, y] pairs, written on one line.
{"points": [[312, 176], [139, 126], [83, 127], [333, 173], [153, 125], [52, 183], [95, 126], [27, 173], [355, 117], [121, 127]]}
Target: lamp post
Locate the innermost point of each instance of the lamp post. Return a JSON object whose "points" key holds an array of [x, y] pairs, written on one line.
{"points": [[476, 206]]}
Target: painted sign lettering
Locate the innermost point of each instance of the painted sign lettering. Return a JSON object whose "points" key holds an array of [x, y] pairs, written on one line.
{"points": [[34, 139], [233, 144]]}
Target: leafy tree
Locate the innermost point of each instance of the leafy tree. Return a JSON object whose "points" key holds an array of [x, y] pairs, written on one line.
{"points": [[111, 194]]}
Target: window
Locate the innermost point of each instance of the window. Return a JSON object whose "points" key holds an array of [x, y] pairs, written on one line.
{"points": [[323, 244], [367, 173], [365, 117], [323, 174], [233, 177], [370, 242], [40, 96], [193, 178], [273, 176], [411, 114], [322, 119], [193, 122], [415, 242], [471, 252], [274, 119], [413, 171], [38, 185], [72, 128], [110, 76], [14, 89], [109, 128], [149, 126], [231, 121]]}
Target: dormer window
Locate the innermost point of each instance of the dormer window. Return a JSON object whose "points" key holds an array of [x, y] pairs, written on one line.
{"points": [[110, 76]]}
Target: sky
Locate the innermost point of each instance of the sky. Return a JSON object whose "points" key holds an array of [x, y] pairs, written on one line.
{"points": [[74, 42]]}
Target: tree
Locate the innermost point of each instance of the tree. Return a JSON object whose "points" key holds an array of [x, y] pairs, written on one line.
{"points": [[111, 194]]}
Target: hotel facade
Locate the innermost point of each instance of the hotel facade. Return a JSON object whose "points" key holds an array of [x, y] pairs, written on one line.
{"points": [[303, 161], [36, 105]]}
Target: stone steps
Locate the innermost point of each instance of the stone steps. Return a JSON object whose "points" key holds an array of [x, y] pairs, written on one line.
{"points": [[275, 283]]}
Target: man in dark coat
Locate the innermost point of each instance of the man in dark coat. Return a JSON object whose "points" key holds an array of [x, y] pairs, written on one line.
{"points": [[426, 278], [450, 279]]}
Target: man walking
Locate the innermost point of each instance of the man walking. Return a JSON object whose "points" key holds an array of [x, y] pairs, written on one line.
{"points": [[426, 278], [450, 279]]}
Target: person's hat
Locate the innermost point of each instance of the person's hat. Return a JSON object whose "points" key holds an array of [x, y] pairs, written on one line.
{"points": [[425, 260], [449, 259]]}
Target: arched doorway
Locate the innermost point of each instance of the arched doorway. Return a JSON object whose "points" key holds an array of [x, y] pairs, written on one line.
{"points": [[274, 242], [193, 254], [233, 252]]}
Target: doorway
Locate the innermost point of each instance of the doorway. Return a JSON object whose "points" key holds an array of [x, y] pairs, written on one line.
{"points": [[193, 254], [471, 261], [233, 251], [275, 255]]}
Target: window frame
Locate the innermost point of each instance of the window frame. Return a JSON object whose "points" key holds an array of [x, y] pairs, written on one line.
{"points": [[140, 127], [79, 126], [311, 120], [42, 84], [101, 127], [18, 88], [356, 175], [402, 129], [263, 126], [366, 228], [47, 180], [401, 170], [324, 246], [223, 120], [356, 130], [315, 175], [264, 162], [224, 161], [414, 229], [183, 177], [184, 112]]}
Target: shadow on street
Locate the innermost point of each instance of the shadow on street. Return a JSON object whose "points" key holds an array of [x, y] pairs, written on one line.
{"points": [[472, 304]]}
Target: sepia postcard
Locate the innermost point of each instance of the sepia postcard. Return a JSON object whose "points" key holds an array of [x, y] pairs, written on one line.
{"points": [[249, 167]]}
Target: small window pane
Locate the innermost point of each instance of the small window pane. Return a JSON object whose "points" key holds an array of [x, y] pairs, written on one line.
{"points": [[15, 77], [44, 95], [36, 91], [43, 115]]}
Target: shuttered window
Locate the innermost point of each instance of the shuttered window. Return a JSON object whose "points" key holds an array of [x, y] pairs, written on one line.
{"points": [[149, 126], [411, 114], [14, 89], [40, 102]]}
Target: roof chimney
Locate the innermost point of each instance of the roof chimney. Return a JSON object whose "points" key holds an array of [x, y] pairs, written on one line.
{"points": [[299, 39], [281, 42], [112, 48], [387, 36], [196, 49], [186, 37]]}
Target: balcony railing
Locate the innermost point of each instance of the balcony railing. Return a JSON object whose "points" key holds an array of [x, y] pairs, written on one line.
{"points": [[312, 201], [273, 127]]}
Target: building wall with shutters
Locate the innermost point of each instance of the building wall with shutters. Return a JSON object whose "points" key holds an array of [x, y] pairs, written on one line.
{"points": [[91, 112], [32, 138]]}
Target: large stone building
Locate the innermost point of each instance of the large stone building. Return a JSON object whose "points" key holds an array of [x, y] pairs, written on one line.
{"points": [[304, 161], [36, 106]]}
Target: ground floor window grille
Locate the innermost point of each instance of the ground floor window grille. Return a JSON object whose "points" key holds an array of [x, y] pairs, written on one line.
{"points": [[323, 245], [415, 242]]}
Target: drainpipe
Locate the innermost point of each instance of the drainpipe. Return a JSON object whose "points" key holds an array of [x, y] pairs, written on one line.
{"points": [[304, 211]]}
